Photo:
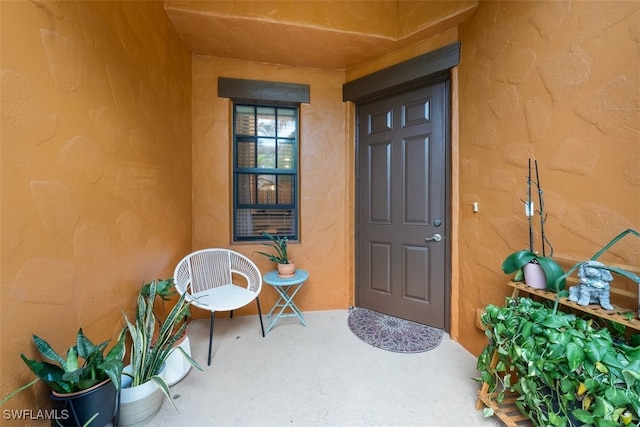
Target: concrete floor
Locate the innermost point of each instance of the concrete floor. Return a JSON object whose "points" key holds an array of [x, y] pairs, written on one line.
{"points": [[319, 375]]}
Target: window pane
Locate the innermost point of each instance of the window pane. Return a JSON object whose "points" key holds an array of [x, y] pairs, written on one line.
{"points": [[272, 189], [246, 154], [285, 154], [286, 123], [244, 223], [266, 121], [245, 120], [266, 189], [251, 222], [285, 190], [266, 153], [245, 190]]}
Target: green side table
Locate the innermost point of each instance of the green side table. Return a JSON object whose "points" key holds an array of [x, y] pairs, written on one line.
{"points": [[287, 289]]}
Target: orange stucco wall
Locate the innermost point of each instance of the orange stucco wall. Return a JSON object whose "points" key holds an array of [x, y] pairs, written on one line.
{"points": [[557, 82], [96, 170], [386, 19], [350, 16]]}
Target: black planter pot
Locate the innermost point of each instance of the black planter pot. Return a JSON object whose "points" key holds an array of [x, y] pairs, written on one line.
{"points": [[555, 406], [76, 409]]}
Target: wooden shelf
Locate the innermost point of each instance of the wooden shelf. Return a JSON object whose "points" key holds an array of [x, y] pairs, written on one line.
{"points": [[507, 411], [614, 315]]}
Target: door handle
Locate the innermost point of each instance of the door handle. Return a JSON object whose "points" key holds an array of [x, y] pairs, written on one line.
{"points": [[436, 237]]}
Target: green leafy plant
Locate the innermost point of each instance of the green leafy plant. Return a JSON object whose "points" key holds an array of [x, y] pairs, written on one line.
{"points": [[567, 370], [279, 244], [85, 365], [152, 341]]}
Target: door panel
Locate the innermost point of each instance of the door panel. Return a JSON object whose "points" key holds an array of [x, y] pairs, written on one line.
{"points": [[416, 261], [380, 182], [401, 201], [415, 155], [380, 268]]}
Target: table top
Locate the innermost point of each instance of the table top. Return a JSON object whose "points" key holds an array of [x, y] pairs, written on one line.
{"points": [[272, 278]]}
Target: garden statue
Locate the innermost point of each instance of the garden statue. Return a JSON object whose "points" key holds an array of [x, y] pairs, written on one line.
{"points": [[594, 285]]}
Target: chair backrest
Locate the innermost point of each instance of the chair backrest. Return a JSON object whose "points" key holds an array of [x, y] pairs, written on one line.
{"points": [[210, 268]]}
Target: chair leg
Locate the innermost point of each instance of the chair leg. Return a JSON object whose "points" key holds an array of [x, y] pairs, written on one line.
{"points": [[260, 316], [231, 315], [210, 339]]}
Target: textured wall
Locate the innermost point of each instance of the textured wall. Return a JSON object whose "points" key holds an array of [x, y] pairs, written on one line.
{"points": [[557, 82], [350, 16], [96, 169], [326, 178], [311, 34]]}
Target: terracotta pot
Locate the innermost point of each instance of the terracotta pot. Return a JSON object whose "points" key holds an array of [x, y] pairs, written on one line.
{"points": [[76, 409], [534, 276], [287, 271]]}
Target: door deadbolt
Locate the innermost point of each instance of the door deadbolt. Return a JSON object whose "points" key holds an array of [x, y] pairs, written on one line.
{"points": [[436, 237]]}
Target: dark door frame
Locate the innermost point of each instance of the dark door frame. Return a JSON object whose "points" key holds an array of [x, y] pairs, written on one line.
{"points": [[417, 72]]}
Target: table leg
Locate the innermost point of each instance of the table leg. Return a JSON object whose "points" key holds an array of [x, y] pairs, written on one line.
{"points": [[293, 306], [283, 302]]}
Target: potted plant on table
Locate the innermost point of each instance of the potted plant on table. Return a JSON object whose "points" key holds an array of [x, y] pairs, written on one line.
{"points": [[286, 267], [565, 369], [538, 271], [85, 385], [152, 342]]}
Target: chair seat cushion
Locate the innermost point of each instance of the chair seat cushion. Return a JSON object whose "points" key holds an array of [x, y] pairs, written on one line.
{"points": [[223, 298]]}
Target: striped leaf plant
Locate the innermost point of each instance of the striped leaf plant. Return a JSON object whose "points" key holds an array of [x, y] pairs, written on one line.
{"points": [[152, 341]]}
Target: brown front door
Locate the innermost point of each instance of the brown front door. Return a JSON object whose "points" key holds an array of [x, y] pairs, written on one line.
{"points": [[402, 221]]}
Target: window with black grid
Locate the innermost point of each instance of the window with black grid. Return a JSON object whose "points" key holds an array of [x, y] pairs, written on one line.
{"points": [[265, 171]]}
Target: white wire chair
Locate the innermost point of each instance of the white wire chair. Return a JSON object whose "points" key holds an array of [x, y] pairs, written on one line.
{"points": [[218, 280]]}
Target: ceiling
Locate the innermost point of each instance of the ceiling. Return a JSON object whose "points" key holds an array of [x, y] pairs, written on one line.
{"points": [[311, 33]]}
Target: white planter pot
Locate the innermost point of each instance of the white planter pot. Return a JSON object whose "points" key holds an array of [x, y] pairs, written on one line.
{"points": [[177, 366], [139, 404], [534, 276]]}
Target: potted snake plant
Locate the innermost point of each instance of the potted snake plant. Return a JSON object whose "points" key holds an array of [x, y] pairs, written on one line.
{"points": [[152, 342], [286, 267], [176, 366], [84, 385]]}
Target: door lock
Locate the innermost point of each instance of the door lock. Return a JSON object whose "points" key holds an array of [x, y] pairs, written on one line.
{"points": [[436, 237]]}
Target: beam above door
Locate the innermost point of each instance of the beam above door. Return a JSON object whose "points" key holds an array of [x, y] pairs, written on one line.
{"points": [[401, 77]]}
